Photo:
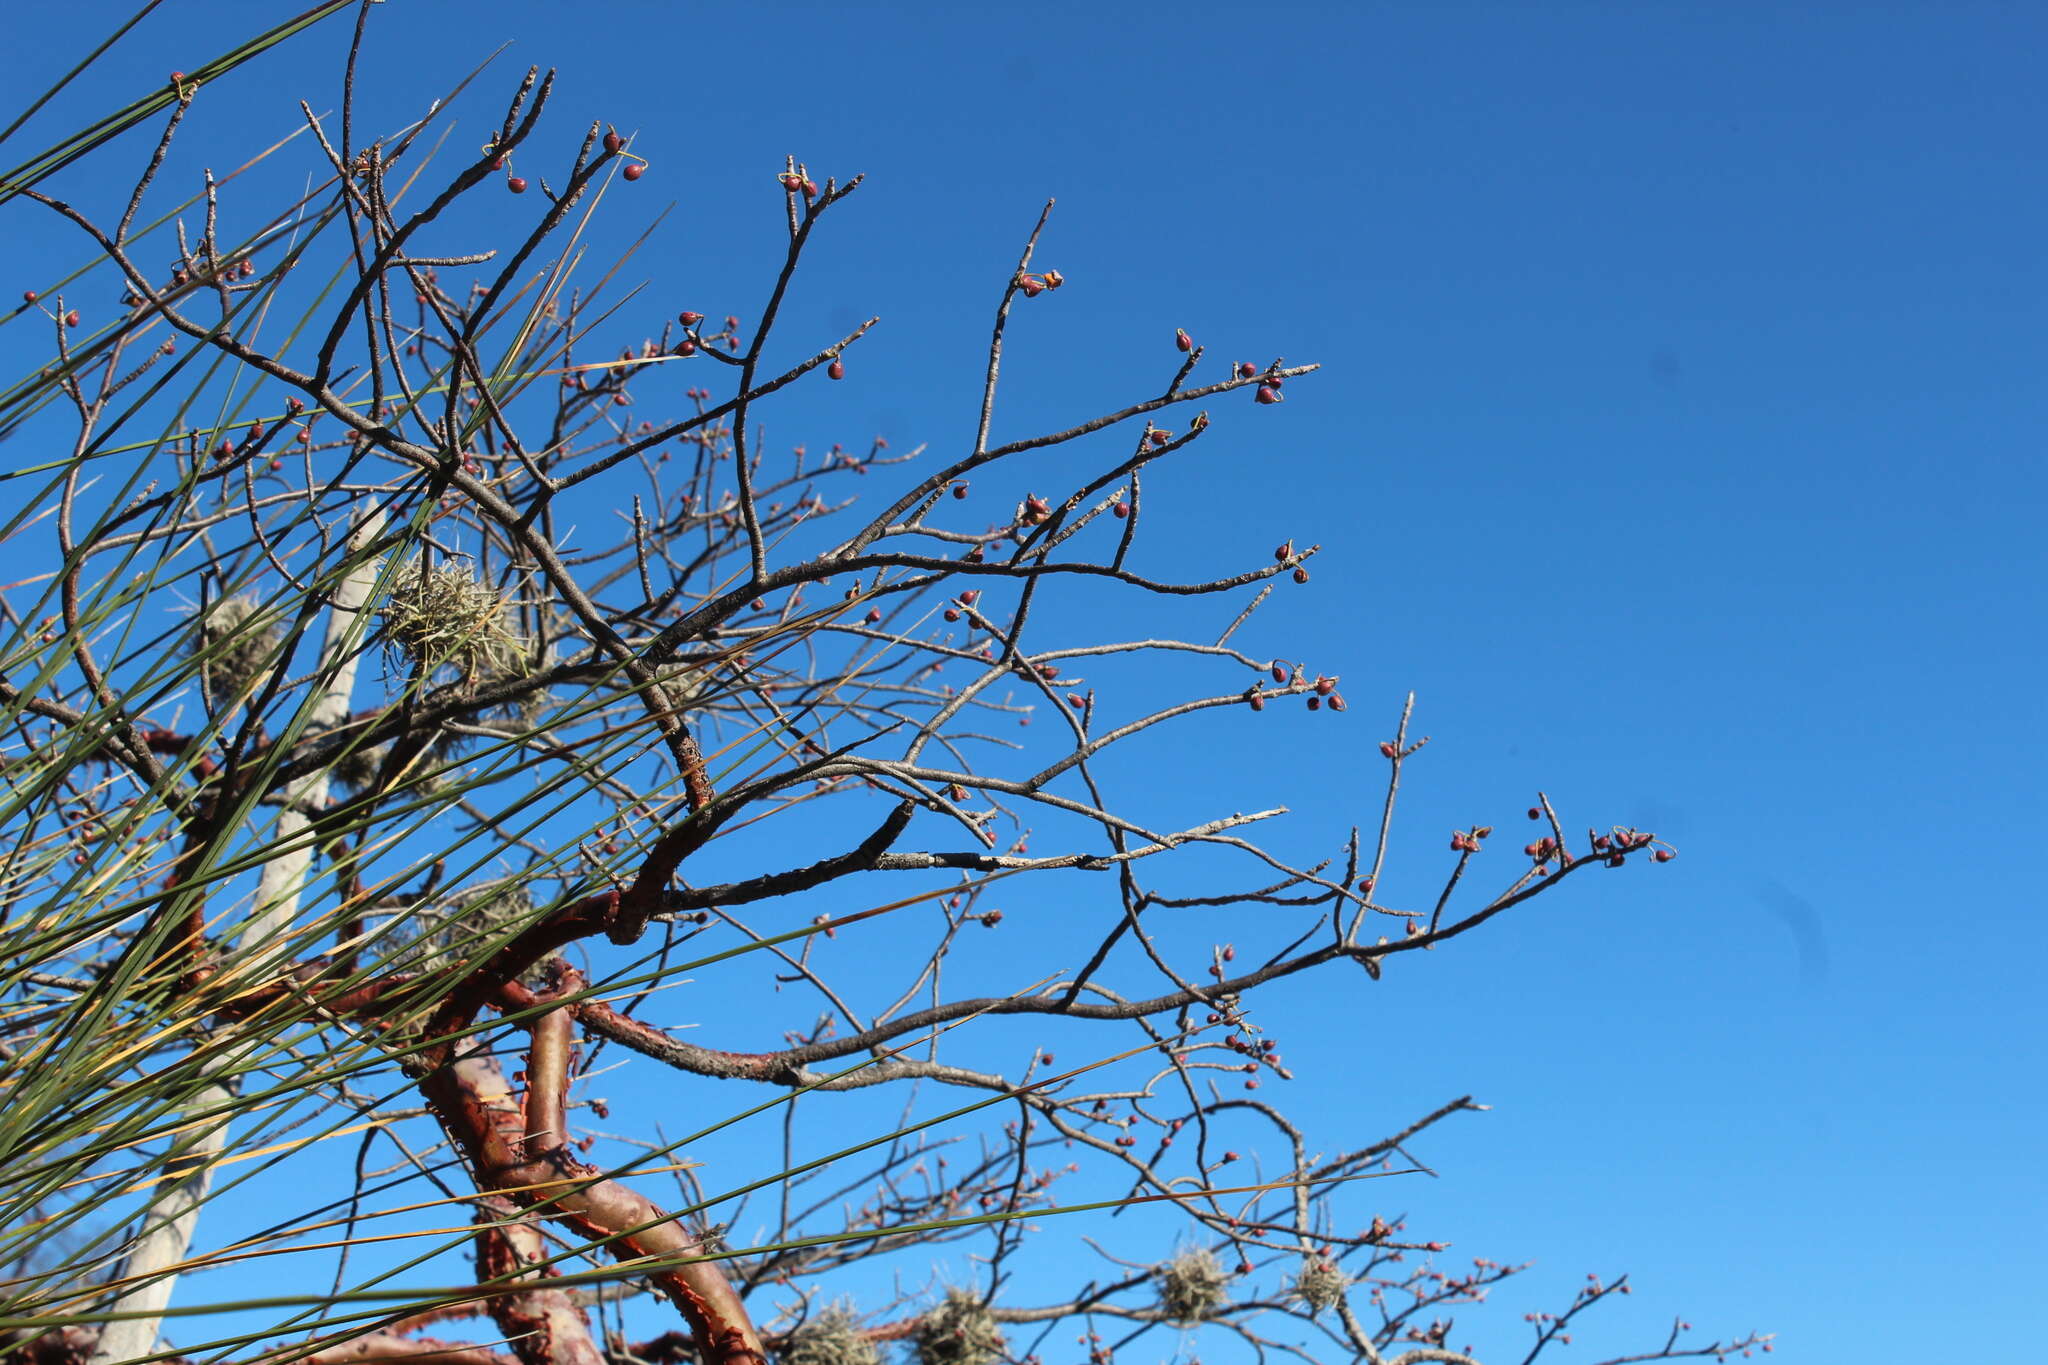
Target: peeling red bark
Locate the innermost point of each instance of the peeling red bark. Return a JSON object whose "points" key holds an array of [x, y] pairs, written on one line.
{"points": [[518, 1150], [542, 1326]]}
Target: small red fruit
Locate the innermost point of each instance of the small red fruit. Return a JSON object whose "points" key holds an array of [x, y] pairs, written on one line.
{"points": [[1301, 575], [810, 189], [28, 296], [1245, 369], [613, 142], [1119, 510], [71, 318], [686, 347], [1535, 812], [1663, 855], [1182, 341], [689, 319], [1388, 750], [1257, 700], [516, 184], [969, 596], [874, 615], [1336, 701], [1266, 394], [1283, 552], [1160, 438], [837, 369], [634, 170], [1279, 670], [1315, 703]]}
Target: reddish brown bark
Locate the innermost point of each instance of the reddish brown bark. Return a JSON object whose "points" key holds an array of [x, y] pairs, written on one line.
{"points": [[543, 1326], [518, 1150]]}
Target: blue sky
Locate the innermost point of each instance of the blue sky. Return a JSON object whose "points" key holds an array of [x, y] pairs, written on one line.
{"points": [[1680, 366]]}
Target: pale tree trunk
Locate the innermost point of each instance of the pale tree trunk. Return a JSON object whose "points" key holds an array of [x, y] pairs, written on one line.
{"points": [[151, 1266]]}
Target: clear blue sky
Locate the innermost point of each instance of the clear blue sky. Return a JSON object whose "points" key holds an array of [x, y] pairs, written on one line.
{"points": [[1681, 365]]}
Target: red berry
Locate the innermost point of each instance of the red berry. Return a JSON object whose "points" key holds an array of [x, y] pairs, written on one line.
{"points": [[613, 142], [516, 184], [1119, 510], [1315, 703], [1388, 750], [959, 490], [1535, 812], [952, 613], [810, 189], [28, 296], [634, 170], [1181, 340], [1279, 670], [1663, 855], [1160, 438], [1301, 575], [837, 369], [177, 78], [969, 596], [1266, 394], [1245, 369], [497, 163], [1031, 285], [1283, 552], [689, 319], [686, 347], [71, 318], [874, 615], [1257, 700]]}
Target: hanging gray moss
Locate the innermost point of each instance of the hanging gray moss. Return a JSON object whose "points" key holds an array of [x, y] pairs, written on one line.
{"points": [[1192, 1286], [1320, 1284], [959, 1331], [831, 1337], [235, 649], [358, 766], [429, 938], [442, 617]]}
